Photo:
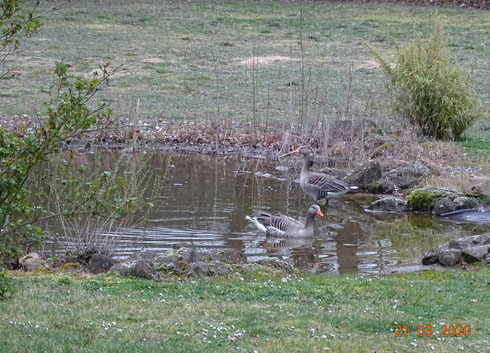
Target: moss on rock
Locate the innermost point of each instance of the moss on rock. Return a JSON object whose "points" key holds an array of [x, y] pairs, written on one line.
{"points": [[421, 200]]}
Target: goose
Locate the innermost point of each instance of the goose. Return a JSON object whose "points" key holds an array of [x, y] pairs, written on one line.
{"points": [[280, 225], [321, 187]]}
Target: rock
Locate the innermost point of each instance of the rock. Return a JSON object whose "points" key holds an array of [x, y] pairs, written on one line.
{"points": [[364, 175], [275, 262], [424, 199], [407, 176], [100, 263], [388, 204], [478, 187], [473, 240], [207, 269], [382, 186], [188, 255], [470, 249], [432, 256], [449, 257], [464, 202], [32, 261], [476, 253], [29, 258], [229, 256], [167, 264], [84, 255], [443, 205], [136, 268]]}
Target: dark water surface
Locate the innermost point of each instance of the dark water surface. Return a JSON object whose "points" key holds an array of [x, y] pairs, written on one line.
{"points": [[205, 199]]}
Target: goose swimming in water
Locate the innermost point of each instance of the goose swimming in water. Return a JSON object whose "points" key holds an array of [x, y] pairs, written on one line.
{"points": [[280, 225]]}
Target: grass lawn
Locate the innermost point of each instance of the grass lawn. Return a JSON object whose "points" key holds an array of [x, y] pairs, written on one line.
{"points": [[263, 312], [183, 59]]}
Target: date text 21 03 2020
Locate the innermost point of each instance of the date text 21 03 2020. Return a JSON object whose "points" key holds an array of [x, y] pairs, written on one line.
{"points": [[427, 331]]}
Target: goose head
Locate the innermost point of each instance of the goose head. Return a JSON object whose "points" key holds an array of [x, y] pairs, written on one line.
{"points": [[315, 210]]}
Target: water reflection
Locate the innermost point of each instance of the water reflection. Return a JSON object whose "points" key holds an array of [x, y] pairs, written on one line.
{"points": [[205, 200]]}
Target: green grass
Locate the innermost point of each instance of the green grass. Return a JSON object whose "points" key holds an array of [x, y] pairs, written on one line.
{"points": [[175, 54], [258, 312]]}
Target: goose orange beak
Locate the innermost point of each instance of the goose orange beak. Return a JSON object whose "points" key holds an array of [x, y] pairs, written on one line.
{"points": [[287, 154], [319, 212]]}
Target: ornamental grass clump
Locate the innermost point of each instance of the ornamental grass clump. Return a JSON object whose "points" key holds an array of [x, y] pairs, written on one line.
{"points": [[428, 90]]}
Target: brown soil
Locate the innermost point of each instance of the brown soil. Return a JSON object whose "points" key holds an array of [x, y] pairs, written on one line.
{"points": [[344, 144]]}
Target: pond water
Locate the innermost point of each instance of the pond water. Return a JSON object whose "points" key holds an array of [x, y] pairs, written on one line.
{"points": [[204, 201]]}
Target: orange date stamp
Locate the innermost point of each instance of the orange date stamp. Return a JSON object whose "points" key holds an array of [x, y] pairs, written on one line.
{"points": [[426, 330]]}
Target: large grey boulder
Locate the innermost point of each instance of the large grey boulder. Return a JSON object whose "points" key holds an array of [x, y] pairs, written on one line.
{"points": [[32, 261], [389, 205], [470, 249], [464, 202], [478, 187], [166, 262], [443, 205], [382, 186], [100, 263], [450, 257], [228, 256], [364, 175], [208, 269], [407, 176], [136, 268], [285, 265], [476, 253]]}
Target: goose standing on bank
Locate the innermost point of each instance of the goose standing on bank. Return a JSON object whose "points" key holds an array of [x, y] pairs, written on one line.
{"points": [[280, 225], [321, 187]]}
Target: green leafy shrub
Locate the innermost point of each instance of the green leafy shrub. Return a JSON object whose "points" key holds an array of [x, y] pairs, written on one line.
{"points": [[69, 115], [15, 23], [427, 90]]}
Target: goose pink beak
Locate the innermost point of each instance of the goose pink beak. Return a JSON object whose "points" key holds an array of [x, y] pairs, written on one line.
{"points": [[319, 212]]}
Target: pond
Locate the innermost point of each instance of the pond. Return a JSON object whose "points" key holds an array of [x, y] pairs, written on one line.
{"points": [[204, 201]]}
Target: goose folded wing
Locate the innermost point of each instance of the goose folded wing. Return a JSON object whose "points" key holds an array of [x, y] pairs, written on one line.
{"points": [[324, 183], [283, 222]]}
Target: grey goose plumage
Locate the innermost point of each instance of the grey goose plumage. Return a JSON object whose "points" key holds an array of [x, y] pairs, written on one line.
{"points": [[321, 187], [280, 225]]}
